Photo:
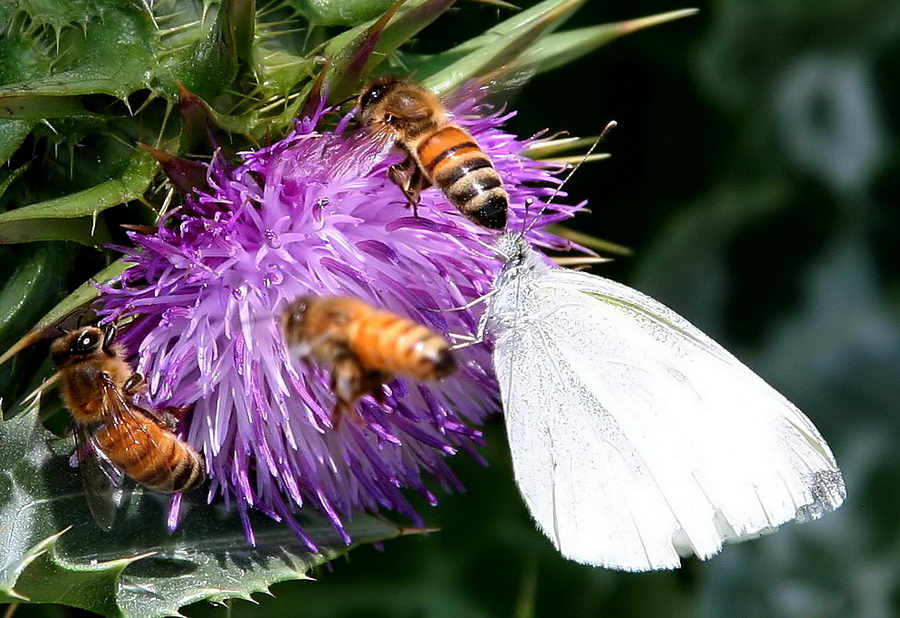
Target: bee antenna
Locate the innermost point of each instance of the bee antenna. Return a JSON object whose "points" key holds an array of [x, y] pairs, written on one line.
{"points": [[344, 101], [81, 315], [609, 127]]}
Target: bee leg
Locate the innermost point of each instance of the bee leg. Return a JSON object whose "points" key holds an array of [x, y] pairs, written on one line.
{"points": [[411, 181], [372, 382], [165, 419], [109, 336], [346, 408], [347, 384], [168, 417], [135, 384]]}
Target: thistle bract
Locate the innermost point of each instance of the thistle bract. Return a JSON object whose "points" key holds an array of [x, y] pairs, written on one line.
{"points": [[315, 214]]}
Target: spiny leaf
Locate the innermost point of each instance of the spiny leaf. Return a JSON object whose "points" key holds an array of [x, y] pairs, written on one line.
{"points": [[212, 65], [12, 134], [561, 48], [81, 297], [43, 575], [111, 55], [502, 49], [30, 289], [353, 54], [10, 177], [31, 107], [139, 568], [507, 28], [74, 217], [339, 12], [35, 283], [242, 17]]}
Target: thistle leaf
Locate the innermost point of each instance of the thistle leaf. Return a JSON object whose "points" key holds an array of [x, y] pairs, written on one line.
{"points": [[502, 31], [35, 283], [7, 178], [51, 551], [514, 24], [31, 288], [74, 217], [212, 65], [81, 297], [505, 45], [355, 53], [339, 12], [561, 48], [110, 54], [12, 134], [32, 107]]}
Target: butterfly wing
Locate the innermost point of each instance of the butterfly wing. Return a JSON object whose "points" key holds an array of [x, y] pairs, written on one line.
{"points": [[636, 439]]}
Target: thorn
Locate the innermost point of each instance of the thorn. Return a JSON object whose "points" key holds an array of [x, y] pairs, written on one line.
{"points": [[185, 175], [194, 117]]}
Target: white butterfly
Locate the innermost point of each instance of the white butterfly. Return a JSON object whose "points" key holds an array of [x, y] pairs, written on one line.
{"points": [[635, 438]]}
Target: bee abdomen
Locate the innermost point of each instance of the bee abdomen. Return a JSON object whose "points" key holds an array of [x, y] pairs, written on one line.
{"points": [[172, 469], [449, 142], [466, 176], [398, 345], [488, 208], [189, 471], [153, 471]]}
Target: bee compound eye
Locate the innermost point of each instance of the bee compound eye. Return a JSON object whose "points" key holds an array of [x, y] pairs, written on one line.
{"points": [[85, 342], [372, 95]]}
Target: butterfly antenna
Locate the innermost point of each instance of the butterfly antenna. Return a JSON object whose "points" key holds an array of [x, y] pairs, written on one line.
{"points": [[609, 127], [528, 202]]}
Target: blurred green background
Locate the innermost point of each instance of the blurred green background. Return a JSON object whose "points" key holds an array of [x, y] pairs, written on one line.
{"points": [[754, 174]]}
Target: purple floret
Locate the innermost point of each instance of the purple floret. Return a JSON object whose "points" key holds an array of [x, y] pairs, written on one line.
{"points": [[315, 214]]}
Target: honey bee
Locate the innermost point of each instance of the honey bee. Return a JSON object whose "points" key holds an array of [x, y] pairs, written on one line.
{"points": [[114, 436], [364, 346], [438, 151]]}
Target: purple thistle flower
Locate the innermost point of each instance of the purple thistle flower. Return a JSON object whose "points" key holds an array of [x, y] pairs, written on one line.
{"points": [[315, 213]]}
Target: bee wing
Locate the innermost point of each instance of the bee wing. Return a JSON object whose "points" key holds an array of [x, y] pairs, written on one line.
{"points": [[124, 417], [493, 90], [101, 478]]}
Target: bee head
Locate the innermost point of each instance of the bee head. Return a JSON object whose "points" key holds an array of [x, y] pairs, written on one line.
{"points": [[375, 91], [84, 342], [395, 106], [293, 320]]}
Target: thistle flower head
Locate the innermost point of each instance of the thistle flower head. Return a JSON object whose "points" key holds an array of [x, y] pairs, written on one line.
{"points": [[315, 214]]}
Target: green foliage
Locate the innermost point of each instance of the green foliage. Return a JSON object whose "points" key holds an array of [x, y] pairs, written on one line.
{"points": [[81, 84], [50, 551], [75, 216]]}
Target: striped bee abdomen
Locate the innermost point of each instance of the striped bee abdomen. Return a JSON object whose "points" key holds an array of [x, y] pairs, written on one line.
{"points": [[456, 164], [396, 345], [150, 455]]}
